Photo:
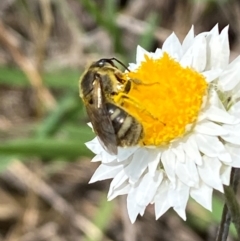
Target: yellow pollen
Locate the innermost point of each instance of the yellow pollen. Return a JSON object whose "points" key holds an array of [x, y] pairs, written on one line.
{"points": [[165, 98]]}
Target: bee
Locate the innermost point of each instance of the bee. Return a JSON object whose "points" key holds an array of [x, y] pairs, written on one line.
{"points": [[114, 126]]}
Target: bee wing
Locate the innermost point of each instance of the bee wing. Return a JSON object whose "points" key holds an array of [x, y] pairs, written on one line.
{"points": [[100, 119]]}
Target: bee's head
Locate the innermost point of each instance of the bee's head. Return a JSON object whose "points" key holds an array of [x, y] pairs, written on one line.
{"points": [[104, 63], [108, 62]]}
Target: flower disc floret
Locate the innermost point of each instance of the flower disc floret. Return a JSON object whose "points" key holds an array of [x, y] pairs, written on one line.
{"points": [[165, 98]]}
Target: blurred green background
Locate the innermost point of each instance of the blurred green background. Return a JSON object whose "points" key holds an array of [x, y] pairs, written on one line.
{"points": [[45, 166]]}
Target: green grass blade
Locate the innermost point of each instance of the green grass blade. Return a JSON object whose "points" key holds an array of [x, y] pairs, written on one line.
{"points": [[66, 109], [103, 216], [50, 148], [93, 9], [66, 78], [5, 160], [147, 38], [107, 19]]}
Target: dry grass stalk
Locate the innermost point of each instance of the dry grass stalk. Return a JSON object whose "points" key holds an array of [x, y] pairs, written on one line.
{"points": [[27, 66], [29, 180]]}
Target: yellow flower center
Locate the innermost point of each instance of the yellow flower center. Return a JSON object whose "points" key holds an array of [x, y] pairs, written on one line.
{"points": [[165, 98]]}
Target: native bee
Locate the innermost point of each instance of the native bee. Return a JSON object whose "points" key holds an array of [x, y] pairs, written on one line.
{"points": [[114, 126]]}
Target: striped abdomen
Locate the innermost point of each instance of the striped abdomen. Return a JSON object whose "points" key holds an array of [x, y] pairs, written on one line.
{"points": [[127, 129]]}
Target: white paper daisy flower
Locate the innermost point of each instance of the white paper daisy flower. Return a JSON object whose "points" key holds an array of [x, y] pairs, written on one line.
{"points": [[190, 112]]}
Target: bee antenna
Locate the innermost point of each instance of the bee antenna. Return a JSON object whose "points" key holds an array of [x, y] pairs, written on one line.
{"points": [[121, 64]]}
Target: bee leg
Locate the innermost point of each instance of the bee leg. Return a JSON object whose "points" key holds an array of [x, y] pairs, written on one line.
{"points": [[122, 97], [137, 81], [118, 73]]}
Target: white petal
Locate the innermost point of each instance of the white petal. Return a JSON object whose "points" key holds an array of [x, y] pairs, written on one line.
{"points": [[218, 115], [191, 150], [234, 151], [207, 145], [148, 188], [231, 76], [137, 165], [211, 75], [121, 190], [233, 135], [225, 47], [215, 30], [236, 92], [105, 171], [212, 147], [125, 153], [235, 109], [187, 173], [188, 40], [117, 181], [132, 66], [155, 160], [214, 52], [225, 172], [97, 148], [97, 158], [132, 207], [203, 195], [91, 126], [195, 56], [107, 158], [199, 54], [179, 153], [205, 34], [215, 101], [210, 128], [178, 198], [141, 52], [94, 146], [172, 46], [161, 200], [187, 58], [169, 161], [210, 172], [225, 157], [158, 54]]}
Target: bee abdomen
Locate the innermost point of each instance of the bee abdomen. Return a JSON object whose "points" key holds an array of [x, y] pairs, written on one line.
{"points": [[127, 129], [132, 134], [117, 116]]}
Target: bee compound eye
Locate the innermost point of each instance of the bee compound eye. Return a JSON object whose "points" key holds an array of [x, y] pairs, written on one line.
{"points": [[101, 62]]}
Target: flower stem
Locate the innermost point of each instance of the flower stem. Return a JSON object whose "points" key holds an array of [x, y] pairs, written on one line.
{"points": [[231, 210], [224, 225], [233, 207]]}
